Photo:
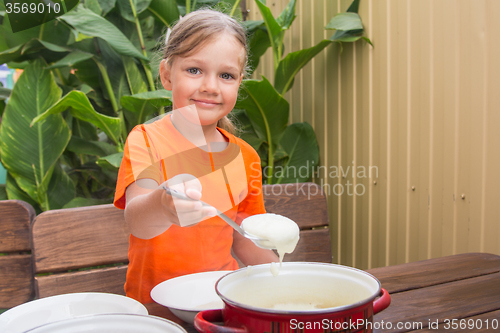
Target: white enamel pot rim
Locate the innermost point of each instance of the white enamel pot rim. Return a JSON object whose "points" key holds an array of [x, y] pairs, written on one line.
{"points": [[236, 279]]}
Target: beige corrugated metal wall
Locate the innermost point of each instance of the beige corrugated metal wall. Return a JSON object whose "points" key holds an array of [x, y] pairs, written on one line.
{"points": [[421, 110]]}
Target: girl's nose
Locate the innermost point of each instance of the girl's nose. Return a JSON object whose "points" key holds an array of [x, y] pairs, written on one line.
{"points": [[210, 85]]}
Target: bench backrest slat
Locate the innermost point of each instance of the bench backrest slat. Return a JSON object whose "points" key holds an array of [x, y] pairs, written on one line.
{"points": [[106, 280], [74, 238], [314, 245], [304, 203], [16, 273], [15, 220]]}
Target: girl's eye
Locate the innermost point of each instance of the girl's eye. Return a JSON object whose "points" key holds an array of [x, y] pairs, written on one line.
{"points": [[193, 70], [227, 76]]}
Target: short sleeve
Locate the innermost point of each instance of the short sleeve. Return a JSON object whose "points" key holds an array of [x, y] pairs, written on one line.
{"points": [[139, 162]]}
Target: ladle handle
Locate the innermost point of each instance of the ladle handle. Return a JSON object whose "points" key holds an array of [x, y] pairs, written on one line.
{"points": [[204, 322], [229, 221], [179, 195]]}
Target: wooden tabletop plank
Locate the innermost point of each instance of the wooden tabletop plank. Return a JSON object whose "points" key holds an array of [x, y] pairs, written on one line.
{"points": [[435, 271], [458, 299], [486, 322]]}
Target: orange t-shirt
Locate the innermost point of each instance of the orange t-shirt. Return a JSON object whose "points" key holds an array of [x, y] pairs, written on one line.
{"points": [[231, 181]]}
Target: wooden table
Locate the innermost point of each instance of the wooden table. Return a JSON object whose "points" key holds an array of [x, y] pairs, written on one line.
{"points": [[462, 287], [427, 295]]}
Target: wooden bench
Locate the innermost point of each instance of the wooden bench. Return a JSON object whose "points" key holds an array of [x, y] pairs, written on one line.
{"points": [[306, 204], [16, 274], [76, 238]]}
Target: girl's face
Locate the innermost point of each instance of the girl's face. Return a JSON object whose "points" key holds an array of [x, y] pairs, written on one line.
{"points": [[208, 78]]}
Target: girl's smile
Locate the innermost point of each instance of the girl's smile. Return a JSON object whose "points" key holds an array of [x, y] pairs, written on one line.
{"points": [[209, 78], [205, 103]]}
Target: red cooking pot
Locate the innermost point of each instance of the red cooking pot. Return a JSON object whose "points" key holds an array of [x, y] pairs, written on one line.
{"points": [[303, 297]]}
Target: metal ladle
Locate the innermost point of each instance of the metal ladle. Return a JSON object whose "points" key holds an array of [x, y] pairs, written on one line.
{"points": [[260, 242]]}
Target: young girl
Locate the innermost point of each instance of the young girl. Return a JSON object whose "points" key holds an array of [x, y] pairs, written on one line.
{"points": [[193, 152]]}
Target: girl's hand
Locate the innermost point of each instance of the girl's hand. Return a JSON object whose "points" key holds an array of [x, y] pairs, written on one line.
{"points": [[184, 212]]}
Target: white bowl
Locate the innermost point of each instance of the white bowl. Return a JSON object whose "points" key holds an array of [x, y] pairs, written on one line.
{"points": [[111, 323], [55, 308], [187, 295]]}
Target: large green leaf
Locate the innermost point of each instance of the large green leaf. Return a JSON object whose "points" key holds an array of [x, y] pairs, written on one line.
{"points": [[279, 153], [83, 129], [14, 192], [115, 68], [111, 161], [53, 32], [79, 145], [21, 37], [3, 42], [88, 23], [61, 189], [71, 59], [266, 109], [252, 25], [349, 27], [82, 109], [146, 103], [87, 45], [133, 75], [5, 92], [48, 45], [293, 63], [301, 146], [274, 30], [354, 7], [127, 11], [100, 7], [345, 22], [29, 50], [246, 130], [84, 202], [3, 192], [165, 10], [106, 6], [235, 8], [88, 72], [94, 6], [287, 16], [97, 98], [11, 54], [258, 44], [104, 180], [349, 36], [30, 152], [2, 107], [18, 65]]}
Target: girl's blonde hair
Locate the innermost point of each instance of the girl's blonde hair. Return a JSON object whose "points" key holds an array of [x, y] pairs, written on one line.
{"points": [[195, 30]]}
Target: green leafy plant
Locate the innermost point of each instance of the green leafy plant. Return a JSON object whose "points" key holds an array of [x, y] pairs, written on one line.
{"points": [[86, 83], [285, 150]]}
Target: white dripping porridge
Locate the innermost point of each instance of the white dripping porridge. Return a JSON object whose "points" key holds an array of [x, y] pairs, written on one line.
{"points": [[282, 233]]}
